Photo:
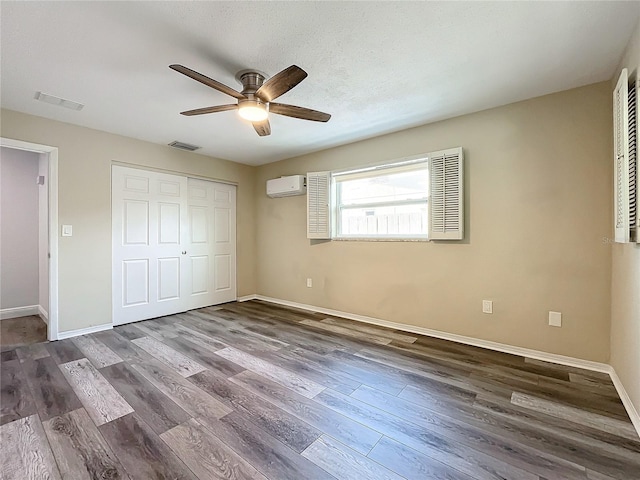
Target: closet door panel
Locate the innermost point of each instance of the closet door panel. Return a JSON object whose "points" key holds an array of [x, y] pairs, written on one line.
{"points": [[148, 233], [174, 244]]}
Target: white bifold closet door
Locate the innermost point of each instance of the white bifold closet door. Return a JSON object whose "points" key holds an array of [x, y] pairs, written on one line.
{"points": [[211, 241], [174, 244]]}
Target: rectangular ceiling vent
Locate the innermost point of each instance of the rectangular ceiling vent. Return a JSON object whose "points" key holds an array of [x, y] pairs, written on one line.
{"points": [[184, 146], [60, 102]]}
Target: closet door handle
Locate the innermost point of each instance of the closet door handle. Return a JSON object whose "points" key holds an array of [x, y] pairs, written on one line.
{"points": [[184, 252]]}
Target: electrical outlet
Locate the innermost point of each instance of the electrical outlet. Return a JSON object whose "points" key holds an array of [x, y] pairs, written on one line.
{"points": [[309, 283], [487, 306], [555, 319]]}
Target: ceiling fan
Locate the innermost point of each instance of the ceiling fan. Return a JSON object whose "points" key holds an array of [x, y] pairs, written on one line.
{"points": [[255, 102]]}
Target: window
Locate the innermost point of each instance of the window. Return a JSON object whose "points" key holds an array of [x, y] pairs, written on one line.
{"points": [[417, 198], [388, 201]]}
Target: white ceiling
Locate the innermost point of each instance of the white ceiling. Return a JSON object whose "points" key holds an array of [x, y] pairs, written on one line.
{"points": [[377, 67]]}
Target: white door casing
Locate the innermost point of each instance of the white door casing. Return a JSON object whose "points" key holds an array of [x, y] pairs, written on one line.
{"points": [[164, 259]]}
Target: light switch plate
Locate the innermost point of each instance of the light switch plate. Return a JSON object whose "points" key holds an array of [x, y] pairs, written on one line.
{"points": [[555, 319], [67, 230], [487, 306]]}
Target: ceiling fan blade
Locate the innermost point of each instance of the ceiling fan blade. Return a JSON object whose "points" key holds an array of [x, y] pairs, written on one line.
{"points": [[298, 112], [214, 109], [263, 128], [209, 82], [281, 83]]}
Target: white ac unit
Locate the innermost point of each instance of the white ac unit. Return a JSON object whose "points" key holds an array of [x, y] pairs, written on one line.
{"points": [[287, 186]]}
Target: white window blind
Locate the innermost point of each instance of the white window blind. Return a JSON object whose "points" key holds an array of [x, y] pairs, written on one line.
{"points": [[446, 213], [318, 208], [625, 159]]}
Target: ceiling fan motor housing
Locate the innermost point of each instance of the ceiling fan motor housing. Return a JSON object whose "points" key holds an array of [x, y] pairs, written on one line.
{"points": [[251, 81]]}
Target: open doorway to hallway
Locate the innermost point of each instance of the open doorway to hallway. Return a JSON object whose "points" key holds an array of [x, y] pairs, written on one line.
{"points": [[28, 243], [24, 247]]}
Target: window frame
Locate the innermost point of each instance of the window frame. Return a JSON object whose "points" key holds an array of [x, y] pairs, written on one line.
{"points": [[394, 166]]}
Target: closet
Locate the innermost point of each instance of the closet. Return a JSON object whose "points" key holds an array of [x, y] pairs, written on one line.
{"points": [[174, 243]]}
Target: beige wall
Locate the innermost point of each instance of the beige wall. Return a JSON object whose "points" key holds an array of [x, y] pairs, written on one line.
{"points": [[538, 203], [84, 185], [625, 281]]}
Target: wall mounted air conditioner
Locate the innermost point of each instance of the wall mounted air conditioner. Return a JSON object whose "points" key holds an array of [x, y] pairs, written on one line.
{"points": [[287, 186]]}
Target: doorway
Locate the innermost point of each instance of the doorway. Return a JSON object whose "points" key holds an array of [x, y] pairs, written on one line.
{"points": [[46, 305]]}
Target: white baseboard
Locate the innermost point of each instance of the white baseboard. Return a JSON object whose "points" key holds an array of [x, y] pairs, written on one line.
{"points": [[246, 298], [500, 347], [84, 331], [18, 312], [626, 400], [44, 315]]}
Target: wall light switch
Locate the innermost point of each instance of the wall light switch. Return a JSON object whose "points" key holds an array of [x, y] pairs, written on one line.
{"points": [[555, 319], [309, 283], [487, 306], [67, 230]]}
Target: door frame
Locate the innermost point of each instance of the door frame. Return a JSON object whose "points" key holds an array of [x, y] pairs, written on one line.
{"points": [[52, 160]]}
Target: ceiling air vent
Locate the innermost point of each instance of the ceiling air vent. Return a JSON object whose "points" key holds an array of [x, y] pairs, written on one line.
{"points": [[184, 146], [60, 102]]}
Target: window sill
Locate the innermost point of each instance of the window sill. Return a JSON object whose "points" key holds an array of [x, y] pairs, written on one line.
{"points": [[373, 239]]}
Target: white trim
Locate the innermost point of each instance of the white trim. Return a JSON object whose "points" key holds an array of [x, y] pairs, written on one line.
{"points": [[412, 159], [500, 347], [52, 329], [246, 298], [16, 312], [171, 172], [53, 245], [626, 400], [84, 331], [43, 314]]}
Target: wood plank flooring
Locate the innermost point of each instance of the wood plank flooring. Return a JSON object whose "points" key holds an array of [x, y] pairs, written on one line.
{"points": [[259, 391]]}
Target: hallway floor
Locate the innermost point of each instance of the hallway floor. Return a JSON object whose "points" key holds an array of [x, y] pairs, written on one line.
{"points": [[17, 332]]}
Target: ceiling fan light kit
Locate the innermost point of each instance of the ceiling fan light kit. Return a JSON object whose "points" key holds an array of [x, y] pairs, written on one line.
{"points": [[255, 102], [253, 110]]}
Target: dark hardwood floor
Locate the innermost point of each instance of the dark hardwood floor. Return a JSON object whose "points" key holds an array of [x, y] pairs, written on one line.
{"points": [[258, 391]]}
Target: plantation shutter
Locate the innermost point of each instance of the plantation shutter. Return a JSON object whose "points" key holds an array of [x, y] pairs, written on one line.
{"points": [[634, 221], [621, 158], [318, 208], [446, 200]]}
